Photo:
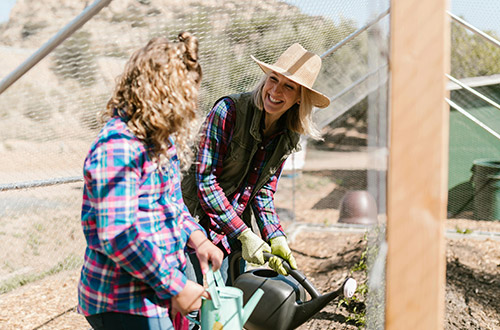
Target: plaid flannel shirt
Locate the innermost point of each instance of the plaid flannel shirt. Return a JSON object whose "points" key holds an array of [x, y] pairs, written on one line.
{"points": [[136, 226], [225, 211]]}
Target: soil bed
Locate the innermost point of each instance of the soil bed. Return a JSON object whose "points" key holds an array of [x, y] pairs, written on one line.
{"points": [[326, 258]]}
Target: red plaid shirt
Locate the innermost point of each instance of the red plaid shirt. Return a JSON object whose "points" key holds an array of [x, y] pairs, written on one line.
{"points": [[225, 211]]}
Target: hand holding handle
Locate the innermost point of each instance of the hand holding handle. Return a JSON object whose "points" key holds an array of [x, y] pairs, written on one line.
{"points": [[252, 247], [212, 286], [280, 248]]}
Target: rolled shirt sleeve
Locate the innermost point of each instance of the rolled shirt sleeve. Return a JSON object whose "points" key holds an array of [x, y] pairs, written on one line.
{"points": [[263, 205], [218, 131]]}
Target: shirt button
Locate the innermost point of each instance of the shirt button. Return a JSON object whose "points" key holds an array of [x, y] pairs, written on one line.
{"points": [[255, 168], [241, 205], [261, 148], [248, 188], [174, 199]]}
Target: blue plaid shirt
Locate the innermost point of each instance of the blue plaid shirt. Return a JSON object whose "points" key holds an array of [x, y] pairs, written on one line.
{"points": [[136, 226]]}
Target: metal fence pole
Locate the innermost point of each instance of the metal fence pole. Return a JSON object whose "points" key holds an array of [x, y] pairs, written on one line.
{"points": [[57, 39]]}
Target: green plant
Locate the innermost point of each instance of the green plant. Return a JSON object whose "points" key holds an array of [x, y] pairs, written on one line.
{"points": [[355, 305], [31, 28], [70, 262], [471, 55], [34, 242], [464, 231]]}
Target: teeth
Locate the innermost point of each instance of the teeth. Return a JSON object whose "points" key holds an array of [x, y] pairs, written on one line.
{"points": [[273, 100]]}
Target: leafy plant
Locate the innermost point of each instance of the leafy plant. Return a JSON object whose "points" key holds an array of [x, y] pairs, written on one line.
{"points": [[31, 28], [471, 55], [464, 231], [69, 263], [357, 304]]}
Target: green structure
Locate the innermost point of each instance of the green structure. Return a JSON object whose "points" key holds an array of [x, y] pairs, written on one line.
{"points": [[469, 142]]}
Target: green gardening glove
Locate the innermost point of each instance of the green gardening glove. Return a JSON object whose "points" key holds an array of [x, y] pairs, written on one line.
{"points": [[253, 247], [279, 247]]}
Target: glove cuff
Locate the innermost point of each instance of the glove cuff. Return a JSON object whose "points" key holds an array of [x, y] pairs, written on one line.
{"points": [[280, 240], [245, 234]]}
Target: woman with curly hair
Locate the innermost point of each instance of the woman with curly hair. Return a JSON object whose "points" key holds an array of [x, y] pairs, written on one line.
{"points": [[133, 216]]}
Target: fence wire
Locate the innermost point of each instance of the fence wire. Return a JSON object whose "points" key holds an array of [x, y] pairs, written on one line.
{"points": [[49, 116], [474, 85]]}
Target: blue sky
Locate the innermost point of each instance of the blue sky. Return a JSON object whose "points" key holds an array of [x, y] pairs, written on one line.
{"points": [[480, 13], [5, 7], [483, 14]]}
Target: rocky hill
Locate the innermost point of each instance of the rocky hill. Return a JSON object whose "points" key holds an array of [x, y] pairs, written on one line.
{"points": [[33, 22], [74, 82]]}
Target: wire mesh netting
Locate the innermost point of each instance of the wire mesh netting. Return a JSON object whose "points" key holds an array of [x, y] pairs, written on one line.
{"points": [[49, 116], [474, 114]]}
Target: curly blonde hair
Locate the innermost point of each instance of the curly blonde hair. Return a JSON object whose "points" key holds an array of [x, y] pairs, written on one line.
{"points": [[157, 94]]}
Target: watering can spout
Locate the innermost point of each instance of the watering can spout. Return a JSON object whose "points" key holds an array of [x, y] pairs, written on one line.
{"points": [[251, 303], [307, 309]]}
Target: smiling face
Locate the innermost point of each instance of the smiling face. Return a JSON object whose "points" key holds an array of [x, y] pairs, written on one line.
{"points": [[279, 94]]}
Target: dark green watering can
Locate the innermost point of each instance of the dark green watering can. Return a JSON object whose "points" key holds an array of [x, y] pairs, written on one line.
{"points": [[283, 305]]}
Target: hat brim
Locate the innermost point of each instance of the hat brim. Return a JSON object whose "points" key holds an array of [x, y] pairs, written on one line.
{"points": [[318, 99]]}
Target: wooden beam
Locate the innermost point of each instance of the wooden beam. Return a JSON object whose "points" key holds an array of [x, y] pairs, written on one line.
{"points": [[418, 165]]}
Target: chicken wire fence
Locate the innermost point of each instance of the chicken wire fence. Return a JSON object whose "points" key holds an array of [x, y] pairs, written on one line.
{"points": [[474, 84], [48, 116]]}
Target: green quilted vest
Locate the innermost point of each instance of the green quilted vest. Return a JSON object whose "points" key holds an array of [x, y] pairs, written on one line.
{"points": [[242, 148]]}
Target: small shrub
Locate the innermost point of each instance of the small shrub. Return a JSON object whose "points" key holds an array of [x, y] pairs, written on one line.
{"points": [[32, 28]]}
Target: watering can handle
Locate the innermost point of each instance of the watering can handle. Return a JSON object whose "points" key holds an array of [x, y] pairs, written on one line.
{"points": [[286, 265], [212, 277], [297, 275]]}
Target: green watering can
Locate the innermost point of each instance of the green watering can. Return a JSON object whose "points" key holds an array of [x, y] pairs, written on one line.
{"points": [[225, 310]]}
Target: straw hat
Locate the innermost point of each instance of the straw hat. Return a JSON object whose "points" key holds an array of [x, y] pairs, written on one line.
{"points": [[300, 66]]}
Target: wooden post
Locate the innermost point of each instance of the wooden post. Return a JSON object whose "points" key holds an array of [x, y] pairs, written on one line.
{"points": [[418, 165]]}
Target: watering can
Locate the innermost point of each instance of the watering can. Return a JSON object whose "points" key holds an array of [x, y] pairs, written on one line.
{"points": [[225, 310], [283, 305]]}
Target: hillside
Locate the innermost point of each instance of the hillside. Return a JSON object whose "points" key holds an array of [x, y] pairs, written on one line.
{"points": [[76, 78], [33, 22]]}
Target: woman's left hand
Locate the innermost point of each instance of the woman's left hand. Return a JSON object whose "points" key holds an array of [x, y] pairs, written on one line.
{"points": [[206, 251], [279, 247]]}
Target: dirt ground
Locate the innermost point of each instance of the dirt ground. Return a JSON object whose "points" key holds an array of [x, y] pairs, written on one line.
{"points": [[472, 286]]}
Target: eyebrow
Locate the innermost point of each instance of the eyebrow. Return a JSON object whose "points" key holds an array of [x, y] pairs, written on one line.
{"points": [[289, 82]]}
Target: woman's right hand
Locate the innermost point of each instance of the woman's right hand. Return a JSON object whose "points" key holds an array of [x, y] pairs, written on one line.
{"points": [[253, 247], [189, 299]]}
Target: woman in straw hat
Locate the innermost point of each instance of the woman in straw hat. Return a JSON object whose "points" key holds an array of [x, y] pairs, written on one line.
{"points": [[245, 141], [134, 220]]}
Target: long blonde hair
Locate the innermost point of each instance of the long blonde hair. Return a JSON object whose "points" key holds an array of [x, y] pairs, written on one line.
{"points": [[157, 95], [299, 116]]}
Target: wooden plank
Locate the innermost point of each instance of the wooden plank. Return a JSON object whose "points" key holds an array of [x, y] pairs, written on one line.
{"points": [[418, 159]]}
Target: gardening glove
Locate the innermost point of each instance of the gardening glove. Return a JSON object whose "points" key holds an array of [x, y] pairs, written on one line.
{"points": [[279, 247], [253, 247]]}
